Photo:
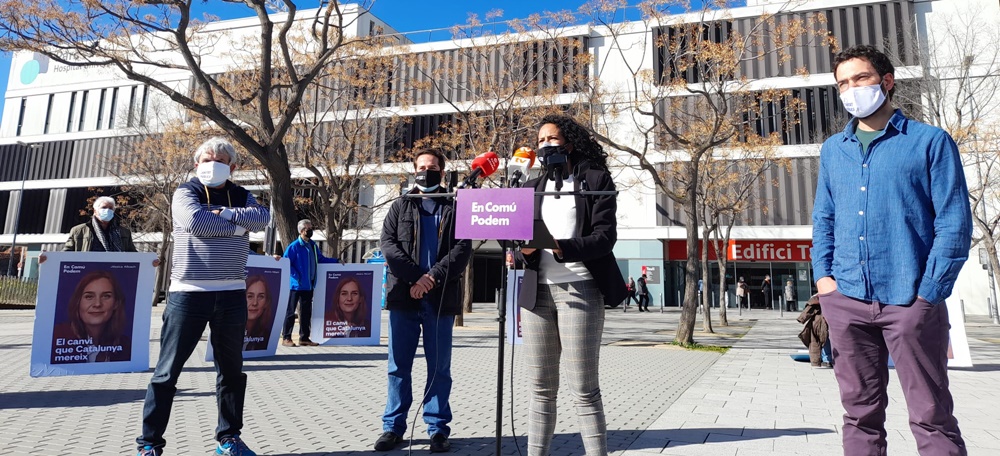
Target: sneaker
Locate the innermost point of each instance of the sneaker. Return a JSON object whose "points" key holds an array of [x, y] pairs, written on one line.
{"points": [[288, 343], [307, 343], [440, 444], [147, 451], [233, 446], [388, 441]]}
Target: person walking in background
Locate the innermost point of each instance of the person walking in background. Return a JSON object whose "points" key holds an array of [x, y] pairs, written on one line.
{"points": [[304, 257], [643, 291], [212, 217], [791, 303], [573, 282], [631, 292], [102, 233], [741, 293], [424, 293], [892, 228], [767, 292]]}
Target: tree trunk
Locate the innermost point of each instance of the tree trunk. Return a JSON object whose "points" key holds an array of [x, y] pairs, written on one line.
{"points": [[723, 293], [162, 272], [466, 295], [706, 284], [284, 206], [334, 233], [685, 327]]}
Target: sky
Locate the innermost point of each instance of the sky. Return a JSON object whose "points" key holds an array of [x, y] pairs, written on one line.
{"points": [[402, 15]]}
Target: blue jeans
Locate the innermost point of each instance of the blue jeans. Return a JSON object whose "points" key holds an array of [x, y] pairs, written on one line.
{"points": [[184, 320], [404, 334], [827, 354]]}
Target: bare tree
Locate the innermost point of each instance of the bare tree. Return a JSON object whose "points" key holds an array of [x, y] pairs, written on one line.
{"points": [[500, 79], [694, 100], [248, 82], [958, 90]]}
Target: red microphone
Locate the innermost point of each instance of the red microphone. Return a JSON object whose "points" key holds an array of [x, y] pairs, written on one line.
{"points": [[483, 165]]}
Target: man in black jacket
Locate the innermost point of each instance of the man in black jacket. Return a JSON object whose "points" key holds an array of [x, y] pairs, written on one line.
{"points": [[643, 294], [424, 290]]}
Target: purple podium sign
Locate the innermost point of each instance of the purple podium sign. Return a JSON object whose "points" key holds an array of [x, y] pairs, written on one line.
{"points": [[495, 213]]}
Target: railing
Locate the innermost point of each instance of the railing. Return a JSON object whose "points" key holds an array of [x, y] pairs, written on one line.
{"points": [[18, 292]]}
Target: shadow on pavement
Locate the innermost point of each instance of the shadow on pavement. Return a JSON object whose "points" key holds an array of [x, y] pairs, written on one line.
{"points": [[282, 367], [978, 368], [321, 357], [657, 438], [78, 398]]}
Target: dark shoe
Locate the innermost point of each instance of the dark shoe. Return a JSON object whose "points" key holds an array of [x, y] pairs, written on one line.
{"points": [[440, 444], [288, 343], [827, 365], [388, 441], [307, 343]]}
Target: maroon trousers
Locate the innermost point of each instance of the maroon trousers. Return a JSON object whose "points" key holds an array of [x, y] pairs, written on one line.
{"points": [[864, 334]]}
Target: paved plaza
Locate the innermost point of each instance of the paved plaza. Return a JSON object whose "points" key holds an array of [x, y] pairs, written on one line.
{"points": [[328, 400]]}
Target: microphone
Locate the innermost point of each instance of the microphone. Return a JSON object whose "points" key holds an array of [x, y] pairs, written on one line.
{"points": [[484, 165], [555, 161], [519, 164]]}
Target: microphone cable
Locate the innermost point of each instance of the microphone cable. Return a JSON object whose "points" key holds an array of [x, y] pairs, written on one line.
{"points": [[437, 330]]}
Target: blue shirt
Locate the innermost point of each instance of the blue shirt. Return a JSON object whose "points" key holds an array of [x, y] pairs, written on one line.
{"points": [[430, 222], [894, 223]]}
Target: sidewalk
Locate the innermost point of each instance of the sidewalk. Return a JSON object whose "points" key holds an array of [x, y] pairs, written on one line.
{"points": [[757, 401], [328, 400]]}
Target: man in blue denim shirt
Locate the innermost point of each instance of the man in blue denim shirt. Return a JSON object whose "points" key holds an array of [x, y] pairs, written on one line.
{"points": [[891, 230]]}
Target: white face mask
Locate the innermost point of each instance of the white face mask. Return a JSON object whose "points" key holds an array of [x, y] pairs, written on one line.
{"points": [[105, 214], [213, 173], [863, 101]]}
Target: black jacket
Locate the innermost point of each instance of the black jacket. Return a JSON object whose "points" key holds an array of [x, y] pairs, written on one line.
{"points": [[401, 248], [596, 231], [643, 289]]}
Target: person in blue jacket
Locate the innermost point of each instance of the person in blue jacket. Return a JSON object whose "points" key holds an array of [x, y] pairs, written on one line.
{"points": [[304, 257]]}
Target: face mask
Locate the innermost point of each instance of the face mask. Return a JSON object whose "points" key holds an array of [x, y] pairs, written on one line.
{"points": [[213, 173], [427, 180], [863, 101], [309, 233], [105, 214]]}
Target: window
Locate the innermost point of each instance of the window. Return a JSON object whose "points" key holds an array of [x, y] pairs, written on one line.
{"points": [[83, 110], [20, 116], [114, 106], [100, 108], [48, 113], [69, 117]]}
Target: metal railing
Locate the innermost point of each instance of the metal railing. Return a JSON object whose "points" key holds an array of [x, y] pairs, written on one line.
{"points": [[18, 291]]}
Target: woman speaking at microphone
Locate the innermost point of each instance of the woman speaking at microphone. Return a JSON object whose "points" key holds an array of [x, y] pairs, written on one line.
{"points": [[564, 313]]}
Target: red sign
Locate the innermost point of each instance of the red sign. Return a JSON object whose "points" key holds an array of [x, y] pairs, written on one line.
{"points": [[769, 250], [747, 250]]}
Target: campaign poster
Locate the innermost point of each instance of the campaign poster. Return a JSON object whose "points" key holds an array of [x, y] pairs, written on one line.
{"points": [[346, 308], [94, 315], [514, 279], [267, 288]]}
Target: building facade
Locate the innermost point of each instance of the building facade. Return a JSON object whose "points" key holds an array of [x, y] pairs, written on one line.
{"points": [[62, 128]]}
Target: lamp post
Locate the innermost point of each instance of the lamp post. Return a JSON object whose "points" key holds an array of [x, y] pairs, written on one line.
{"points": [[20, 200]]}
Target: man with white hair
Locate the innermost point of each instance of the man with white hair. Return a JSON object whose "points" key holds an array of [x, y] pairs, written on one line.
{"points": [[304, 257], [102, 233], [211, 217]]}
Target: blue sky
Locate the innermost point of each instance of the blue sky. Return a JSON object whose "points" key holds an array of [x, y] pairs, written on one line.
{"points": [[403, 15]]}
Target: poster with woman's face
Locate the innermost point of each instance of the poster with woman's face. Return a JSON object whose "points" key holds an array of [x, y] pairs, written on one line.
{"points": [[95, 315], [348, 307], [263, 286], [346, 293], [266, 293], [95, 303]]}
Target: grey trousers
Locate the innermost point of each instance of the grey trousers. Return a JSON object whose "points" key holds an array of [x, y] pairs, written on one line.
{"points": [[567, 319], [864, 335]]}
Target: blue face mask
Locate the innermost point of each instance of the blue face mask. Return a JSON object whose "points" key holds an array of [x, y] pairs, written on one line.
{"points": [[105, 214]]}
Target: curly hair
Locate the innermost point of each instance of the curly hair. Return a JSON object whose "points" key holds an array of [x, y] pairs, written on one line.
{"points": [[585, 147], [877, 58]]}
